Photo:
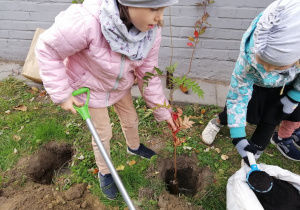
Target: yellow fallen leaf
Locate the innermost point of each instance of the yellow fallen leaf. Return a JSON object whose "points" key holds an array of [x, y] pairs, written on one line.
{"points": [[120, 168], [132, 162], [224, 157], [7, 112]]}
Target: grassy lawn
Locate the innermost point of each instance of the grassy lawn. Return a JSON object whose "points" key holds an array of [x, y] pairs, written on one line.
{"points": [[29, 120]]}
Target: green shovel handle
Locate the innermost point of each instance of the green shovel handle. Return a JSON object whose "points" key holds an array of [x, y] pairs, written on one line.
{"points": [[83, 110]]}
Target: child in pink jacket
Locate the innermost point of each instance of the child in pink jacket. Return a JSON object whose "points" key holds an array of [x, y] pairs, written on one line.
{"points": [[100, 44]]}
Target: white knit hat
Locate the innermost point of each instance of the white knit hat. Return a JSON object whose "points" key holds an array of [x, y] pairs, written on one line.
{"points": [[148, 3], [277, 35]]}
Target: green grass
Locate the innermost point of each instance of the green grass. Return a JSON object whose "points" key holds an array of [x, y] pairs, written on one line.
{"points": [[24, 132]]}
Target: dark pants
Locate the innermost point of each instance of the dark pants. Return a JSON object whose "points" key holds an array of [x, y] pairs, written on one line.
{"points": [[265, 111]]}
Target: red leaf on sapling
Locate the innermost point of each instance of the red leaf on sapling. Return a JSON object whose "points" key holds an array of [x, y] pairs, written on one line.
{"points": [[190, 44], [196, 33]]}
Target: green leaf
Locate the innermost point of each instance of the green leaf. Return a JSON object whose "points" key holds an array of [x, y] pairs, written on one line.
{"points": [[146, 78], [159, 72], [150, 74]]}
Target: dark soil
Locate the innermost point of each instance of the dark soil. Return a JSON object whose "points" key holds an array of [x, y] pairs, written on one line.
{"points": [[191, 178], [185, 180], [260, 181], [282, 196], [199, 177]]}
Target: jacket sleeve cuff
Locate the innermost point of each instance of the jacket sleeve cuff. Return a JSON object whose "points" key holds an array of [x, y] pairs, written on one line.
{"points": [[294, 94], [162, 114], [237, 132]]}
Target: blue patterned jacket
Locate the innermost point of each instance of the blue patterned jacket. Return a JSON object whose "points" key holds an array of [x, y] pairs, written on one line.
{"points": [[247, 72]]}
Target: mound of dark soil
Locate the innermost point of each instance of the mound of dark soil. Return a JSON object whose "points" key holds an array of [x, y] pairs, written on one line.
{"points": [[282, 196], [260, 181]]}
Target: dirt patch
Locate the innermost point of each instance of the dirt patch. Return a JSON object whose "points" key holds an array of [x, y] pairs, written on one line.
{"points": [[171, 202], [35, 183]]}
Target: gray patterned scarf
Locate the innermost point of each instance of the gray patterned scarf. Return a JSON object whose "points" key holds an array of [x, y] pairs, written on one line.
{"points": [[133, 43]]}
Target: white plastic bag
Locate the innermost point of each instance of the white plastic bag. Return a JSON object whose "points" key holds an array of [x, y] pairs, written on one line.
{"points": [[239, 196]]}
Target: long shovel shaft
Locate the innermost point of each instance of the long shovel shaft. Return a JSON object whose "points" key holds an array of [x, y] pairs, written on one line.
{"points": [[110, 165]]}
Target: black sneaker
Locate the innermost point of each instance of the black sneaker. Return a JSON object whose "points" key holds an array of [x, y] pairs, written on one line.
{"points": [[286, 147], [296, 137], [108, 186], [142, 151]]}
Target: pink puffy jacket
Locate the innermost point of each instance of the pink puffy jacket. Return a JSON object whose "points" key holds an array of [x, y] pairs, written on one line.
{"points": [[73, 53]]}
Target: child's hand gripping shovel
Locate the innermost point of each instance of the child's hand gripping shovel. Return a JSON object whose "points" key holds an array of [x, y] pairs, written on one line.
{"points": [[258, 180], [84, 112]]}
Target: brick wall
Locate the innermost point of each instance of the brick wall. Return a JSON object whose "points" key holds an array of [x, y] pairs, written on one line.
{"points": [[215, 55]]}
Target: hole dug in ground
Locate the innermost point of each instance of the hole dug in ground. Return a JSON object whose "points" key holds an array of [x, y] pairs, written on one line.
{"points": [[50, 158], [191, 178]]}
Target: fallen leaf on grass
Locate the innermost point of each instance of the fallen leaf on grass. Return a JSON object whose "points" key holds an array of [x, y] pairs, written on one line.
{"points": [[42, 93], [7, 112], [120, 143], [224, 157], [22, 127], [271, 155], [15, 151], [188, 148], [120, 168], [96, 170], [217, 150], [35, 89], [132, 162], [207, 149], [93, 171], [20, 108], [16, 137], [81, 157]]}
